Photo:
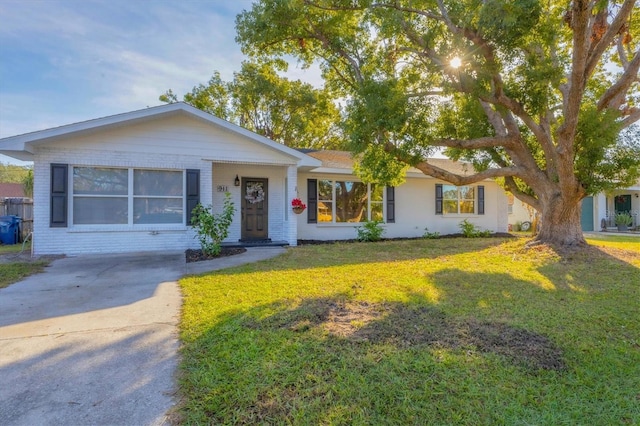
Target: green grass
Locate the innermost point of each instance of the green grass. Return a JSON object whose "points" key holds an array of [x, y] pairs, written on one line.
{"points": [[618, 241], [447, 331], [15, 248], [16, 269]]}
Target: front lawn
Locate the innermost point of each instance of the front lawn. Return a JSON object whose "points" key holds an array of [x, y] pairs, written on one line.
{"points": [[15, 266], [447, 331]]}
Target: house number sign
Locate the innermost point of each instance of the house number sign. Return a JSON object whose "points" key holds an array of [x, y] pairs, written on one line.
{"points": [[221, 188]]}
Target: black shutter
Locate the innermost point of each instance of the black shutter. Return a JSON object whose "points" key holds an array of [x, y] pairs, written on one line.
{"points": [[438, 198], [480, 199], [193, 191], [391, 204], [312, 200], [59, 195]]}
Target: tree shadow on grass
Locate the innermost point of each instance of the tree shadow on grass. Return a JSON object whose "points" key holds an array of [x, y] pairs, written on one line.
{"points": [[577, 270], [407, 325], [333, 356]]}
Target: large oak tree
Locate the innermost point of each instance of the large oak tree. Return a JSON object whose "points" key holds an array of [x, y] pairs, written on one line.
{"points": [[534, 93]]}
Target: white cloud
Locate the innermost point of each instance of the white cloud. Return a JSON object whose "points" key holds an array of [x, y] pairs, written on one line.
{"points": [[110, 57], [98, 58]]}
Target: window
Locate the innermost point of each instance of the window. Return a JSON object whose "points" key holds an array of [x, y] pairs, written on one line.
{"points": [[110, 196], [157, 196], [349, 202], [100, 196], [458, 199]]}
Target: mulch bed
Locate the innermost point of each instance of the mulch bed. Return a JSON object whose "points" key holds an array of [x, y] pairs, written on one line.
{"points": [[316, 242], [198, 255]]}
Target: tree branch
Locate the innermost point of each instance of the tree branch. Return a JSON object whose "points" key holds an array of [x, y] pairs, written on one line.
{"points": [[326, 43], [622, 55], [495, 119], [574, 88], [479, 143], [607, 39], [512, 187], [614, 96], [634, 115], [437, 172]]}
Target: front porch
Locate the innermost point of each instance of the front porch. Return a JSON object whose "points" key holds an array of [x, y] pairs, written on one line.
{"points": [[256, 243], [262, 196], [623, 201]]}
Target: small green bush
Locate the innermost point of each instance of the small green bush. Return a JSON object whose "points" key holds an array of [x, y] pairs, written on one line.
{"points": [[212, 228], [430, 235], [624, 218], [371, 231], [469, 230]]}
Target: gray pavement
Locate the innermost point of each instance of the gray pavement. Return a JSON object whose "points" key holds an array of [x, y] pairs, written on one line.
{"points": [[93, 340]]}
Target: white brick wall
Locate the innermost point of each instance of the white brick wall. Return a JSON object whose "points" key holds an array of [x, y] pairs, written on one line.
{"points": [[122, 238], [109, 239], [414, 208]]}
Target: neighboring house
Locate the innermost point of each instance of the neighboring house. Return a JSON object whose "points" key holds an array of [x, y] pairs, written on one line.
{"points": [[12, 190], [127, 182], [519, 212], [598, 211], [601, 209]]}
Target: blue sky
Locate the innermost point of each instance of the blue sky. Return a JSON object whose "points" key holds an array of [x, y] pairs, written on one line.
{"points": [[65, 61]]}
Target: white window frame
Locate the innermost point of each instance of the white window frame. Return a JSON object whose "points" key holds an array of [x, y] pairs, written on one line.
{"points": [[334, 202], [459, 199], [130, 196]]}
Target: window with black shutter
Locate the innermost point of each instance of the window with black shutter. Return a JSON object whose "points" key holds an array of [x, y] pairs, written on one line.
{"points": [[312, 201], [59, 195], [438, 198], [391, 204], [193, 191]]}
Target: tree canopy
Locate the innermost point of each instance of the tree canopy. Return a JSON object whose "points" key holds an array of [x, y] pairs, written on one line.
{"points": [[533, 93], [258, 98], [10, 173]]}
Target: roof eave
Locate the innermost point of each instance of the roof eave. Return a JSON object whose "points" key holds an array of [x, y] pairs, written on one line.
{"points": [[18, 155], [20, 146]]}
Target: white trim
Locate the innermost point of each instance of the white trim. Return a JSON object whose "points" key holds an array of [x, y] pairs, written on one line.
{"points": [[257, 163], [22, 145], [131, 197]]}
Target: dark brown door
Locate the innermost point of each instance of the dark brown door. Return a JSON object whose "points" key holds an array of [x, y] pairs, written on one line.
{"points": [[255, 208]]}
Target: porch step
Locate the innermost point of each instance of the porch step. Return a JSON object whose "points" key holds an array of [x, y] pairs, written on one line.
{"points": [[256, 243]]}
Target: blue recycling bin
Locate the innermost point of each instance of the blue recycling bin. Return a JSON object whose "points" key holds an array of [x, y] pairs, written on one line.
{"points": [[10, 229]]}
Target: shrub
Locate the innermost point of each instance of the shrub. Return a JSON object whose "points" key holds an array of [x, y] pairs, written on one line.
{"points": [[624, 218], [469, 230], [370, 231], [212, 228], [430, 235]]}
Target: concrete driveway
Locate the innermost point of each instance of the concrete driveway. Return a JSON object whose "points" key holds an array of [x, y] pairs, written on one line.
{"points": [[93, 340]]}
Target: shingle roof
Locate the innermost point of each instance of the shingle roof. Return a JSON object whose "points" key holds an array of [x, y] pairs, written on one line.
{"points": [[11, 190], [344, 160]]}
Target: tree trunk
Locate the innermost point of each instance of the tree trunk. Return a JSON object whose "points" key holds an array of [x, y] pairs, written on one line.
{"points": [[560, 223]]}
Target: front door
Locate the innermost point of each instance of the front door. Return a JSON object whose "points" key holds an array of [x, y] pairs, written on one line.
{"points": [[255, 219], [622, 203], [586, 216]]}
